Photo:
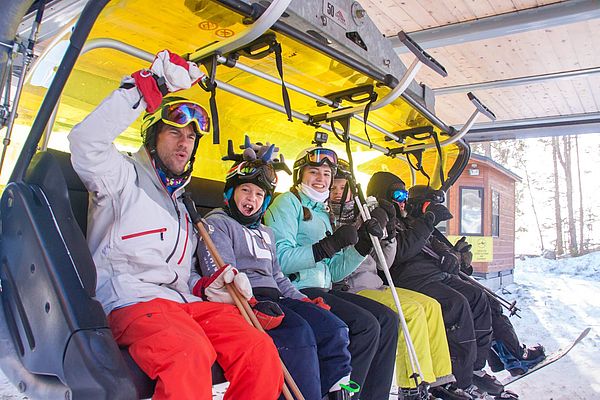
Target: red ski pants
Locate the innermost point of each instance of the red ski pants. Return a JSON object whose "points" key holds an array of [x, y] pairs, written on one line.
{"points": [[177, 343]]}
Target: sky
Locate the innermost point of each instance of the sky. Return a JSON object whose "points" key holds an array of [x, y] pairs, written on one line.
{"points": [[538, 159]]}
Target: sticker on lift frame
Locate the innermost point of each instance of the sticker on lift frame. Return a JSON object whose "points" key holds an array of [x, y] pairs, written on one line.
{"points": [[335, 13]]}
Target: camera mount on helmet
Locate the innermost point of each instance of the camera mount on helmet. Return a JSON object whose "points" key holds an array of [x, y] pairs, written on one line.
{"points": [[320, 138]]}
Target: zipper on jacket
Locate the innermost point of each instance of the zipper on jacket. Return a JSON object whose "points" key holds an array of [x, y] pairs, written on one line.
{"points": [[144, 233], [187, 234], [178, 229]]}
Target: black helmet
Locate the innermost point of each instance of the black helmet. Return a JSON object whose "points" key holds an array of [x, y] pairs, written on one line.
{"points": [[343, 169], [426, 193], [259, 172], [420, 194], [384, 185]]}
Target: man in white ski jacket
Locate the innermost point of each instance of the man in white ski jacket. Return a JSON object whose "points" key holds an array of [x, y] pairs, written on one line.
{"points": [[143, 244]]}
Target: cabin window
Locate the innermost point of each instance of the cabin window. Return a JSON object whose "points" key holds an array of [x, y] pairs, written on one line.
{"points": [[495, 213], [471, 211]]}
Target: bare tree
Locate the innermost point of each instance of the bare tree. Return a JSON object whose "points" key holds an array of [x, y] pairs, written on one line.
{"points": [[581, 223], [565, 162], [558, 219], [529, 188]]}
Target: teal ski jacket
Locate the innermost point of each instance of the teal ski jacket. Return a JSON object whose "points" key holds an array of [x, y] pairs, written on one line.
{"points": [[294, 239]]}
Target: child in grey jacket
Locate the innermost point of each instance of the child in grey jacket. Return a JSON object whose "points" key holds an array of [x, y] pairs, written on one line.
{"points": [[312, 341]]}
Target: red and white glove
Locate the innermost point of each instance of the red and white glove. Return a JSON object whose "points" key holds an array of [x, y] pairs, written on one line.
{"points": [[212, 288], [167, 74], [319, 302], [268, 313]]}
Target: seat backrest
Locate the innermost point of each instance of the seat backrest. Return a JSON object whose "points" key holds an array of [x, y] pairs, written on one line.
{"points": [[48, 283], [206, 193]]}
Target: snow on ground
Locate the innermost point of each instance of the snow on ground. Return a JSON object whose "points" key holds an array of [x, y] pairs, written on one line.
{"points": [[558, 300]]}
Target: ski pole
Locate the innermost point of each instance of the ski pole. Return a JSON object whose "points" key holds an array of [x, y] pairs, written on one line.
{"points": [[510, 306], [239, 300], [412, 354]]}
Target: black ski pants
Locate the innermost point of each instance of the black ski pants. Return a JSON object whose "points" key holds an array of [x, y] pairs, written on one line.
{"points": [[503, 331], [373, 339], [467, 316]]}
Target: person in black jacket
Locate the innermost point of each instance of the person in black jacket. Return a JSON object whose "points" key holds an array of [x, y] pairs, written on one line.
{"points": [[465, 308], [507, 350]]}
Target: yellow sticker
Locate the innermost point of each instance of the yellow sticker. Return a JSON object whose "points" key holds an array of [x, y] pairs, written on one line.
{"points": [[483, 247]]}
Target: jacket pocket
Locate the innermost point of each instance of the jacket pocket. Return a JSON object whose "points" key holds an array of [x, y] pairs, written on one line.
{"points": [[159, 231]]}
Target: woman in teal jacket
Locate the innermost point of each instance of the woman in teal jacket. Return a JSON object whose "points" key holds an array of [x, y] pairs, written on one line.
{"points": [[314, 256]]}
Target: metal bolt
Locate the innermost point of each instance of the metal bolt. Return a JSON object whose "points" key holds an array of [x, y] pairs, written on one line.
{"points": [[360, 13], [9, 202]]}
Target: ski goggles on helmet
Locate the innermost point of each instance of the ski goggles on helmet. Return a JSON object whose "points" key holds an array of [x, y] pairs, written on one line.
{"points": [[254, 171], [343, 169], [317, 157], [400, 195], [179, 114]]}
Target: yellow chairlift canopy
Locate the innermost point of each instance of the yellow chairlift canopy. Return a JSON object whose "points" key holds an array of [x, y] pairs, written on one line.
{"points": [[185, 26]]}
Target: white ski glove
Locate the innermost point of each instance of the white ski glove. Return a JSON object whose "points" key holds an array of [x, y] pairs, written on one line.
{"points": [[212, 288], [168, 73]]}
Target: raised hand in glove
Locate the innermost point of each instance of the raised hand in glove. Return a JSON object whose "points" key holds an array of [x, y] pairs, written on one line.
{"points": [[345, 235], [319, 302], [364, 244], [466, 257], [213, 288], [268, 313], [436, 212], [450, 262], [390, 210], [167, 74]]}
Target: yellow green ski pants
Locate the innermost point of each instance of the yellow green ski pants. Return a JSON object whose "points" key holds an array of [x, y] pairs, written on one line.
{"points": [[426, 327]]}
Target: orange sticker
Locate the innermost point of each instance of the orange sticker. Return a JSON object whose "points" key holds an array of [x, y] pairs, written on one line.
{"points": [[207, 25], [224, 33]]}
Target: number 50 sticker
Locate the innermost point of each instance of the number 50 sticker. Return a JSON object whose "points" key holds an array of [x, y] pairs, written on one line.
{"points": [[335, 13]]}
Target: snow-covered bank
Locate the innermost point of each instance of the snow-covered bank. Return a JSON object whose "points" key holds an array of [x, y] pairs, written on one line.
{"points": [[558, 300]]}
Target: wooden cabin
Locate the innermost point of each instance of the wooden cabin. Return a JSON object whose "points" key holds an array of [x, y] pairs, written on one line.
{"points": [[482, 201]]}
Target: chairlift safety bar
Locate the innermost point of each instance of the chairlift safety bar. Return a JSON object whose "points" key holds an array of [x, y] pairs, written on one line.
{"points": [[421, 58], [480, 109], [144, 55]]}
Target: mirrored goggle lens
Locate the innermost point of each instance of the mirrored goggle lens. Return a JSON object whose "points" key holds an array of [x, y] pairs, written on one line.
{"points": [[400, 195], [319, 156], [181, 114], [249, 170]]}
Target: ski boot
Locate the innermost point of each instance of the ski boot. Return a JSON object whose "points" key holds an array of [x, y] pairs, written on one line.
{"points": [[449, 392], [345, 391], [419, 393], [507, 395], [341, 394], [477, 393], [487, 383]]}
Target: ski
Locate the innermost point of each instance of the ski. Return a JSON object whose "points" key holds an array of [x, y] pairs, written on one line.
{"points": [[549, 359]]}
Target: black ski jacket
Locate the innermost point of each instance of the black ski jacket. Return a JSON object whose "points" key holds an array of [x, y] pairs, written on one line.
{"points": [[413, 268]]}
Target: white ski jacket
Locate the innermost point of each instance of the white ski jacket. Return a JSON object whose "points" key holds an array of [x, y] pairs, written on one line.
{"points": [[140, 237]]}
